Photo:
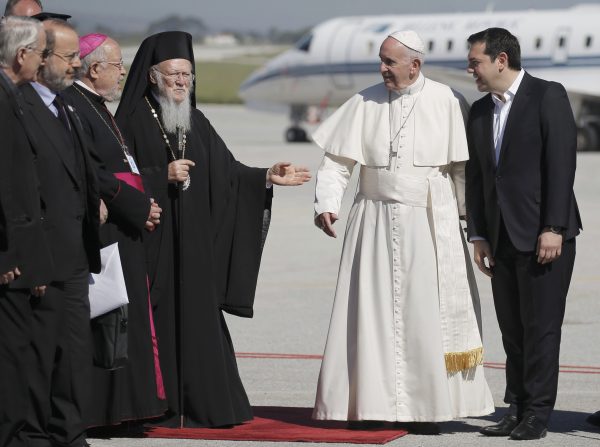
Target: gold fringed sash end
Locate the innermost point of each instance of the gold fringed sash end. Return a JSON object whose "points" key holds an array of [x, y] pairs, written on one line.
{"points": [[460, 361]]}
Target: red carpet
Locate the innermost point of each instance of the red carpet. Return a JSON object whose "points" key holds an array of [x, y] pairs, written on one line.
{"points": [[283, 424]]}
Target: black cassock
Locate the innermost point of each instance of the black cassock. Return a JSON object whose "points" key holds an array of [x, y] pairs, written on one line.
{"points": [[223, 219], [134, 391], [22, 244]]}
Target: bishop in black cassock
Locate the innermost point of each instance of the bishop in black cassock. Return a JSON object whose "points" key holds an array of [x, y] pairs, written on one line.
{"points": [[134, 390]]}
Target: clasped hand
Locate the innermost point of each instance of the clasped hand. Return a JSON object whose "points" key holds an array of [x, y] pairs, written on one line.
{"points": [[10, 276], [153, 216], [13, 274]]}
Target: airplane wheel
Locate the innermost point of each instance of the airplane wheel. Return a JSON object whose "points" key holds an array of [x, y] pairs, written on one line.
{"points": [[588, 138], [295, 135]]}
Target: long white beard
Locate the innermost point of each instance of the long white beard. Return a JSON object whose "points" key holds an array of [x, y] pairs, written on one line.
{"points": [[175, 115]]}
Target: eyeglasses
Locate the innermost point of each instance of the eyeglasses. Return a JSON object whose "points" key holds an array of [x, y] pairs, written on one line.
{"points": [[41, 53], [118, 65], [68, 58], [184, 75]]}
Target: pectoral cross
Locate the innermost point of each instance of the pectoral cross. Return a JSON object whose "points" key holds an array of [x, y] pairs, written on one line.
{"points": [[125, 152], [180, 144]]}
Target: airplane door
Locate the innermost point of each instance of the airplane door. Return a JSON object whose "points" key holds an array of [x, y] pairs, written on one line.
{"points": [[560, 52], [339, 55]]}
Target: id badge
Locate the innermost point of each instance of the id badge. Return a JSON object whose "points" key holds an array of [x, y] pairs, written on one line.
{"points": [[132, 165]]}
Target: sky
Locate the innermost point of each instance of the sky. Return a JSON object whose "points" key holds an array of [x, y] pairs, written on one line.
{"points": [[261, 15]]}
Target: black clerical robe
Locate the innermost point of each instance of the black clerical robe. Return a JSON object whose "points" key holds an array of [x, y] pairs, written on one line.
{"points": [[70, 208], [222, 223], [136, 390], [22, 244]]}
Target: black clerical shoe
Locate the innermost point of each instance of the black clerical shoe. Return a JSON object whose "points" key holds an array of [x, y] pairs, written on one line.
{"points": [[419, 428], [503, 428], [529, 428], [594, 419]]}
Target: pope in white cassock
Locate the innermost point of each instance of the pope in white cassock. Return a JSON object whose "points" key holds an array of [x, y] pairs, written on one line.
{"points": [[404, 343]]}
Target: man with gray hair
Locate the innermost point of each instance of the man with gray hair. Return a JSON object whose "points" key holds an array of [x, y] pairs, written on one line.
{"points": [[134, 391], [24, 8], [25, 262], [31, 8], [404, 344]]}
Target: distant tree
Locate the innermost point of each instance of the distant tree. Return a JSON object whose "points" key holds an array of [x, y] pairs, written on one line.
{"points": [[192, 25], [285, 36]]}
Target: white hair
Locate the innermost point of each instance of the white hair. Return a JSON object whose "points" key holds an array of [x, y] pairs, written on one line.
{"points": [[17, 33], [97, 55]]}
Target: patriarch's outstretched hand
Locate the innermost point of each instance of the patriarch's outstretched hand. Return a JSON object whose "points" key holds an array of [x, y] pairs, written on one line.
{"points": [[286, 174]]}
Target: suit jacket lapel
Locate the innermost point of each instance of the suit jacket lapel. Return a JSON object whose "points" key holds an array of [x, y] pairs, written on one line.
{"points": [[47, 122], [517, 110]]}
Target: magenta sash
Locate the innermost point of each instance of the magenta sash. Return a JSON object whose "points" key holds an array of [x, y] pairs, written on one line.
{"points": [[131, 179]]}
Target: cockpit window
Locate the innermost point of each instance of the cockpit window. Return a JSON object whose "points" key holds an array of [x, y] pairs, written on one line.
{"points": [[304, 43]]}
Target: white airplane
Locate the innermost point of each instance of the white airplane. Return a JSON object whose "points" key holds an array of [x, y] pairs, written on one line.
{"points": [[340, 57]]}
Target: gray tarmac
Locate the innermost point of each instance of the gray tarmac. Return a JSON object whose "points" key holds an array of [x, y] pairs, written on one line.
{"points": [[295, 296]]}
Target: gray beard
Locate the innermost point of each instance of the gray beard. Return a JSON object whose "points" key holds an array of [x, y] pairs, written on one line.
{"points": [[113, 95], [175, 115]]}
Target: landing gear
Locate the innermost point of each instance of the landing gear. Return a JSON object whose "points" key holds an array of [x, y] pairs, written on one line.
{"points": [[295, 134], [588, 137]]}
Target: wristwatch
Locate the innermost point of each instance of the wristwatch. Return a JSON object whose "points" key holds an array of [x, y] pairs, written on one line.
{"points": [[556, 229]]}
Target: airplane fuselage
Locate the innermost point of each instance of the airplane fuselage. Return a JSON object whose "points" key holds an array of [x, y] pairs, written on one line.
{"points": [[340, 56]]}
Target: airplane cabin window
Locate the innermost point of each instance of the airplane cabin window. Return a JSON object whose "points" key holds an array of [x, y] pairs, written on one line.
{"points": [[430, 46], [450, 44], [588, 41], [380, 28], [538, 43], [304, 43]]}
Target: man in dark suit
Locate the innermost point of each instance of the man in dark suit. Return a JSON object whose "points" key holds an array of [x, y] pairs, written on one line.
{"points": [[70, 206], [522, 219], [25, 261]]}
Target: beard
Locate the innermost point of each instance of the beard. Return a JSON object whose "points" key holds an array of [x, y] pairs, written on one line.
{"points": [[174, 115], [113, 95], [53, 79]]}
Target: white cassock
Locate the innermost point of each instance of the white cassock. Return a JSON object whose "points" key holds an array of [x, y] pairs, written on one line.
{"points": [[404, 342]]}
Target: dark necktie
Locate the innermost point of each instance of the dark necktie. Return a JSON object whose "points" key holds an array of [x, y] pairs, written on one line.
{"points": [[62, 113]]}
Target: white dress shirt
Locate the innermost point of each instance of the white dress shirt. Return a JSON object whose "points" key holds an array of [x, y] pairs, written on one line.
{"points": [[502, 107], [47, 96]]}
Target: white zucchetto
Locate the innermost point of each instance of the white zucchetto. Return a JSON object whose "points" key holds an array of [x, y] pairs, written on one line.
{"points": [[409, 39]]}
